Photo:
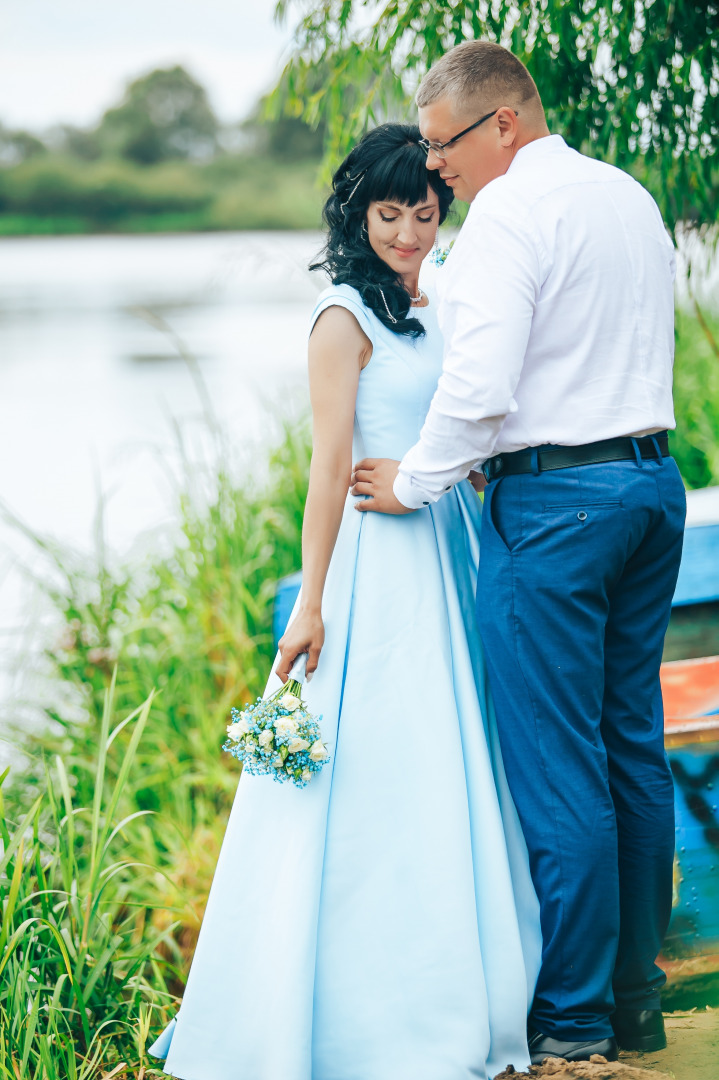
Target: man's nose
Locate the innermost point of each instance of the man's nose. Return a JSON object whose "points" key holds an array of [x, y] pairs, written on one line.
{"points": [[434, 160]]}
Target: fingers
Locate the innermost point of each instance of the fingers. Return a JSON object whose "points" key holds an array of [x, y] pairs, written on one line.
{"points": [[290, 651], [313, 660], [363, 488], [366, 504], [365, 466], [283, 668], [288, 655], [477, 480]]}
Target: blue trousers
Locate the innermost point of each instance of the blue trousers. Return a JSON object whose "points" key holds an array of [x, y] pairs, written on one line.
{"points": [[577, 573]]}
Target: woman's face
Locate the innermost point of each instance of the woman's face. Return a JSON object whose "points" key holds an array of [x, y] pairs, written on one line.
{"points": [[403, 235]]}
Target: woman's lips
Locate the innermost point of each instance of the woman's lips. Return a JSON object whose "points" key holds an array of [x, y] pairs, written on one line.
{"points": [[406, 253]]}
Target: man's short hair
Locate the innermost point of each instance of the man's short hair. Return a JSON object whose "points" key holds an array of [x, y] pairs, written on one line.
{"points": [[481, 74]]}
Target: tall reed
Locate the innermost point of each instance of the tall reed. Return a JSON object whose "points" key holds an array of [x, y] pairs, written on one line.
{"points": [[79, 974], [195, 624]]}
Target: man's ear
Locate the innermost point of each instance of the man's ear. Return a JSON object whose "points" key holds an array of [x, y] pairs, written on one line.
{"points": [[508, 122]]}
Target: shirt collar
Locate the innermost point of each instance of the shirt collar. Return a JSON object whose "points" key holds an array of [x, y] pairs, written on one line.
{"points": [[538, 148]]}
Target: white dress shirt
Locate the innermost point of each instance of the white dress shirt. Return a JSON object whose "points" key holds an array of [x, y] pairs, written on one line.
{"points": [[557, 308]]}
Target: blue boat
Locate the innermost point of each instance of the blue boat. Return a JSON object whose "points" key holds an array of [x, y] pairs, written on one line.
{"points": [[690, 687]]}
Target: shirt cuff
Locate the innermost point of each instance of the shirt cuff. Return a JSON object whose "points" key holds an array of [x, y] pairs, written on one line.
{"points": [[408, 494]]}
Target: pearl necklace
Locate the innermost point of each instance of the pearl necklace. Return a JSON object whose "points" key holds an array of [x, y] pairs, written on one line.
{"points": [[417, 299]]}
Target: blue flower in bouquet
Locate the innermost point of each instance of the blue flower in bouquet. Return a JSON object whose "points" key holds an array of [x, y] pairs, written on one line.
{"points": [[278, 736]]}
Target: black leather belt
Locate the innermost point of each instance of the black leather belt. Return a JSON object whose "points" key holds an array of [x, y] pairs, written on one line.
{"points": [[541, 458]]}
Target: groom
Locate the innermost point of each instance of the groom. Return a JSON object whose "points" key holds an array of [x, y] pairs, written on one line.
{"points": [[556, 304]]}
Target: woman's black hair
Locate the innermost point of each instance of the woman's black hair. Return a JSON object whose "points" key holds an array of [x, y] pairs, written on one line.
{"points": [[386, 165]]}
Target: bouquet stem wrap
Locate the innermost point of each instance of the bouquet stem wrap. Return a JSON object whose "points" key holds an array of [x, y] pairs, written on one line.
{"points": [[298, 676]]}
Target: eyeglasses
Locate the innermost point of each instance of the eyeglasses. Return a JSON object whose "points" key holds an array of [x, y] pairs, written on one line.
{"points": [[439, 148]]}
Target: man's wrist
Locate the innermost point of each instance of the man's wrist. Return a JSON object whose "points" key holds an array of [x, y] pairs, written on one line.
{"points": [[409, 496]]}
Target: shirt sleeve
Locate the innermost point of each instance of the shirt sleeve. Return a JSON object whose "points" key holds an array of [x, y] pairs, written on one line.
{"points": [[490, 286]]}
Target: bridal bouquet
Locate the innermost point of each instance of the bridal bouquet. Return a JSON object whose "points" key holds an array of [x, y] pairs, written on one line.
{"points": [[277, 735]]}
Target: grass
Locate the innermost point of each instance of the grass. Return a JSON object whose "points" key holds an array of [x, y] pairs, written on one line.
{"points": [[196, 625], [80, 977], [107, 940], [111, 828]]}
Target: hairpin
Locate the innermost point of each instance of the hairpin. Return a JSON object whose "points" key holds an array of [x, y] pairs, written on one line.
{"points": [[359, 178]]}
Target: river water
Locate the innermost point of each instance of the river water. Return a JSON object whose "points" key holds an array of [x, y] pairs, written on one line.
{"points": [[92, 381]]}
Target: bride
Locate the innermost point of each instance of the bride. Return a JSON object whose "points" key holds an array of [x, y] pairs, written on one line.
{"points": [[380, 924]]}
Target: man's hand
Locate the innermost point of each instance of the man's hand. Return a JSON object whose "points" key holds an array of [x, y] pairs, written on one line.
{"points": [[477, 480], [375, 477]]}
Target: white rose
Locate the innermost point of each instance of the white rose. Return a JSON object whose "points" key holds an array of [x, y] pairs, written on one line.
{"points": [[277, 761], [285, 725], [318, 751], [290, 702], [237, 730], [265, 738], [306, 775], [295, 745]]}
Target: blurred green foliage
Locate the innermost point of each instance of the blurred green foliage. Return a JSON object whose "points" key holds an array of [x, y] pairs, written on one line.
{"points": [[160, 161], [164, 115], [55, 193], [695, 443], [102, 191], [16, 146], [636, 84]]}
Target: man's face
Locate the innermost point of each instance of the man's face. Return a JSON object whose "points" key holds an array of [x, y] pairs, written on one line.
{"points": [[478, 157]]}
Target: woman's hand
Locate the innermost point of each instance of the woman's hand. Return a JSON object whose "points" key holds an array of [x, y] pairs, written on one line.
{"points": [[306, 633]]}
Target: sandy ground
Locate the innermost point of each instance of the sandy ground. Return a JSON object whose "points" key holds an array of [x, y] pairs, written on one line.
{"points": [[692, 1053]]}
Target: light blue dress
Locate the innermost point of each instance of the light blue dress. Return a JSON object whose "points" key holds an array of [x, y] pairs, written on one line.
{"points": [[379, 924]]}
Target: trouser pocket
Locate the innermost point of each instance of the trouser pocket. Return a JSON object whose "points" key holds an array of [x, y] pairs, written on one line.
{"points": [[502, 515]]}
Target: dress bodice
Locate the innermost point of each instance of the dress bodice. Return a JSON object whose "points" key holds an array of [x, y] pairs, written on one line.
{"points": [[396, 386]]}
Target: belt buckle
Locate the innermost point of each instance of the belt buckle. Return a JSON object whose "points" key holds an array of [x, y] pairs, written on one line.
{"points": [[492, 467]]}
